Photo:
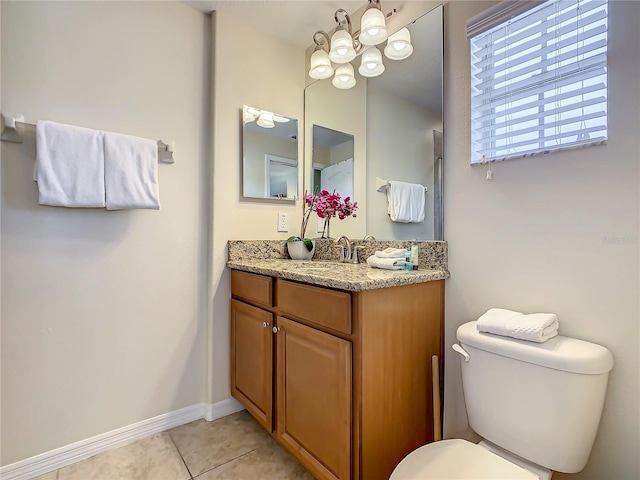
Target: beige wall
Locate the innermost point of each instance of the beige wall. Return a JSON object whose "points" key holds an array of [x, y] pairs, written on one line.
{"points": [[278, 87], [555, 233], [102, 312]]}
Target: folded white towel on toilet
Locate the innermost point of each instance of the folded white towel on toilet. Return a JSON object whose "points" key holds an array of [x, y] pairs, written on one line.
{"points": [[391, 253], [535, 327], [385, 263]]}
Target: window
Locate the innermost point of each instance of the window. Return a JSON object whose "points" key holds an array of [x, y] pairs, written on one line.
{"points": [[538, 78]]}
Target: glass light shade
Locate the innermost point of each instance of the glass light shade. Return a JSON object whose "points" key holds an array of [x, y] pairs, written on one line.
{"points": [[265, 120], [342, 50], [373, 27], [249, 114], [371, 63], [344, 77], [247, 117], [320, 65], [399, 45]]}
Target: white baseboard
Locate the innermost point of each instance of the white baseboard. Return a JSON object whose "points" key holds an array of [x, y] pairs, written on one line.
{"points": [[63, 456], [221, 409]]}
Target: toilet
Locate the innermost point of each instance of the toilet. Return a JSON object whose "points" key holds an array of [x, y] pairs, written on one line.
{"points": [[536, 405]]}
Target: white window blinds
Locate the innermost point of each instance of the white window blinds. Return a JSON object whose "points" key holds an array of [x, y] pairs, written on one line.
{"points": [[539, 80]]}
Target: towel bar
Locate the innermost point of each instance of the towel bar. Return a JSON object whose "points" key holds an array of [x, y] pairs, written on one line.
{"points": [[382, 184], [13, 126]]}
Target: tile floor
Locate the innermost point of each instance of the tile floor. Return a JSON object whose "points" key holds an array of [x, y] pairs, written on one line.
{"points": [[230, 448]]}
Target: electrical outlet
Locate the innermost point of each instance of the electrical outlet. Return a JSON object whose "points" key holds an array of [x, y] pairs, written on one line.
{"points": [[320, 226], [283, 222]]}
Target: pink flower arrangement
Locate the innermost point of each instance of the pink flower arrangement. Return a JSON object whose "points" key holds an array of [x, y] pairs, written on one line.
{"points": [[327, 205]]}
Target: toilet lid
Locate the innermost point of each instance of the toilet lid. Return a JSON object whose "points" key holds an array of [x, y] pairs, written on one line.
{"points": [[457, 460]]}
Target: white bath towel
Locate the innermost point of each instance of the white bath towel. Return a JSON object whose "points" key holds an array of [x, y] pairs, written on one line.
{"points": [[385, 263], [130, 172], [535, 327], [391, 253], [406, 202], [69, 165]]}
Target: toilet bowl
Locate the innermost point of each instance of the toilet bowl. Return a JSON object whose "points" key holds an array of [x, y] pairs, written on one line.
{"points": [[459, 459], [554, 391]]}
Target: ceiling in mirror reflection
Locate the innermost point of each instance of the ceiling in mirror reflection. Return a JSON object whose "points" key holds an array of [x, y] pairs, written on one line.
{"points": [[269, 123], [326, 137], [423, 86]]}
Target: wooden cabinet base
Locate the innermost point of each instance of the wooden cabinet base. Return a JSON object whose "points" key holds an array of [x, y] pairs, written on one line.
{"points": [[351, 395]]}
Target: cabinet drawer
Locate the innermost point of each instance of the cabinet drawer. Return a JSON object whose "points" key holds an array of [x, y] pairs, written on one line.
{"points": [[252, 287], [322, 306]]}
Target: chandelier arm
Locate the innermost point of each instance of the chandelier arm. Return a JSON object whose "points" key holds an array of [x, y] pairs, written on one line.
{"points": [[323, 41], [357, 46], [347, 19]]}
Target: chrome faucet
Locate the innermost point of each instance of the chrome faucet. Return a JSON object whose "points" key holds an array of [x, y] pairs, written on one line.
{"points": [[354, 253], [345, 250], [369, 237]]}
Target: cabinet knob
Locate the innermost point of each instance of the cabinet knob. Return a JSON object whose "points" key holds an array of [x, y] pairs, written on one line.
{"points": [[275, 329], [265, 324]]}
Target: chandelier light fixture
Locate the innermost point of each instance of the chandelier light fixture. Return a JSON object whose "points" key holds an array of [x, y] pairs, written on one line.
{"points": [[263, 118], [332, 56]]}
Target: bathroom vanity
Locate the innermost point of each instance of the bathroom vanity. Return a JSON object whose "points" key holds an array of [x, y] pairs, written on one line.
{"points": [[335, 360]]}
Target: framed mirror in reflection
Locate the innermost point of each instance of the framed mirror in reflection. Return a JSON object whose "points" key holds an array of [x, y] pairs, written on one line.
{"points": [[332, 157], [401, 126], [269, 155]]}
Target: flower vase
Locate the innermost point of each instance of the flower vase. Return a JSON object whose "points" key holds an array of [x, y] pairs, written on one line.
{"points": [[299, 251], [325, 229]]}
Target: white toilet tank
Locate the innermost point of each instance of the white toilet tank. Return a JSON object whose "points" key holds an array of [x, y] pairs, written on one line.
{"points": [[541, 401]]}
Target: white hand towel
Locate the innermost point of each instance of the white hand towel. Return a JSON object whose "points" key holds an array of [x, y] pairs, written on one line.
{"points": [[406, 202], [130, 172], [385, 263], [69, 165], [536, 327], [391, 253]]}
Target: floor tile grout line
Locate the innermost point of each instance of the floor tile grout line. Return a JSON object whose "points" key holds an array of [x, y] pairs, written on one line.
{"points": [[228, 461], [180, 453]]}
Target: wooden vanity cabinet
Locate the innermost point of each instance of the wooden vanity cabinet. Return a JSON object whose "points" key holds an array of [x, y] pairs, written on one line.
{"points": [[347, 387]]}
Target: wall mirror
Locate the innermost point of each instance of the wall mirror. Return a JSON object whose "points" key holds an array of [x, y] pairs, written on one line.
{"points": [[332, 160], [269, 155], [396, 121]]}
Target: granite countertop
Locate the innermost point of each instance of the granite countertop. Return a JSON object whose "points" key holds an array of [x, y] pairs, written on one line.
{"points": [[342, 276]]}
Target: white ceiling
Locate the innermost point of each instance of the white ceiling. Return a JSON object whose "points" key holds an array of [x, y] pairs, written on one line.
{"points": [[294, 21]]}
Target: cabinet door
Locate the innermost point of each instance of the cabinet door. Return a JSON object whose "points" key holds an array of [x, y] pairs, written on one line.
{"points": [[313, 383], [252, 360]]}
